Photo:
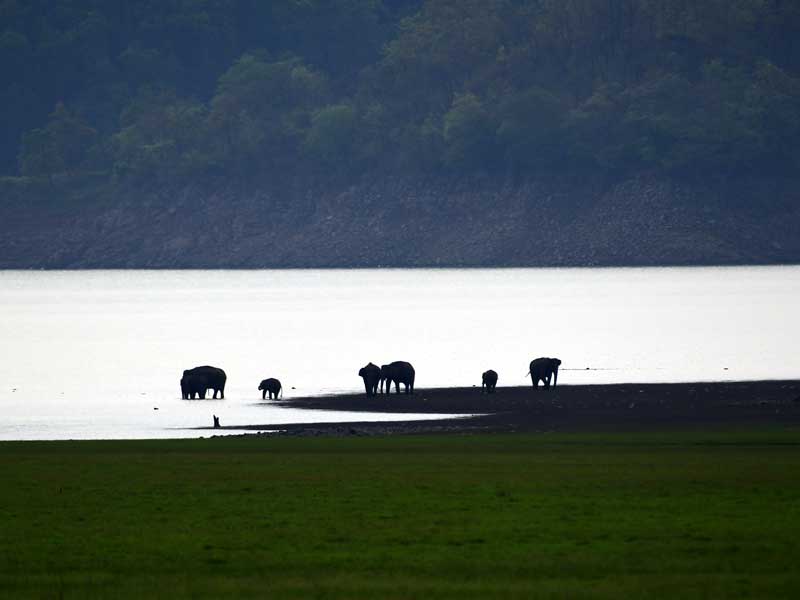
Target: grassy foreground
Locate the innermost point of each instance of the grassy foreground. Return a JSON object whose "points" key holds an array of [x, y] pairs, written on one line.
{"points": [[510, 516]]}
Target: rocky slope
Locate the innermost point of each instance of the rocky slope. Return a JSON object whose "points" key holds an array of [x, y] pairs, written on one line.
{"points": [[645, 220]]}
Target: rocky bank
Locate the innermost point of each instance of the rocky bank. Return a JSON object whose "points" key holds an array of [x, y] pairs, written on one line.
{"points": [[396, 222]]}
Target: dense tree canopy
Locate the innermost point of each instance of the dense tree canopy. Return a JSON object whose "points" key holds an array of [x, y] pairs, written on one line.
{"points": [[160, 90]]}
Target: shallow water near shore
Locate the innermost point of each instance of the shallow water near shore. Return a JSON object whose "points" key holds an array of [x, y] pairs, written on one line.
{"points": [[92, 354]]}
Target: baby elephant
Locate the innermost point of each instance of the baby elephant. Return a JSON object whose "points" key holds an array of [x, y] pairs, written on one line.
{"points": [[489, 381], [271, 386]]}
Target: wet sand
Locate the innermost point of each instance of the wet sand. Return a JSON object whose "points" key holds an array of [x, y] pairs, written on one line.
{"points": [[629, 406]]}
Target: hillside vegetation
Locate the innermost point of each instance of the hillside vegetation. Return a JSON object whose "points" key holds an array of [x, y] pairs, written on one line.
{"points": [[236, 89], [117, 112]]}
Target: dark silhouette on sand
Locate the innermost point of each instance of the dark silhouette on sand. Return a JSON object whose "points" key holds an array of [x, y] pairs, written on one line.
{"points": [[195, 382], [371, 374], [398, 372], [544, 369], [272, 387], [216, 422], [489, 381]]}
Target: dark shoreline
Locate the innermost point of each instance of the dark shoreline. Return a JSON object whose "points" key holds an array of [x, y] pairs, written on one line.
{"points": [[626, 407]]}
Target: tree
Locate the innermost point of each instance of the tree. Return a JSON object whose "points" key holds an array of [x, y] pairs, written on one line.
{"points": [[60, 146], [331, 137], [468, 133], [39, 155], [531, 129]]}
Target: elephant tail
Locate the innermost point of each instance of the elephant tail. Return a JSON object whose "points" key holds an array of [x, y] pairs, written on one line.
{"points": [[528, 373]]}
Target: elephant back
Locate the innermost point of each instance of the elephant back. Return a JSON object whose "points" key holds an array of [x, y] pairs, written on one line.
{"points": [[212, 373], [402, 371]]}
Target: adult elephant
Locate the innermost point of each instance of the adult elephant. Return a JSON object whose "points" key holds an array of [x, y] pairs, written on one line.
{"points": [[398, 372], [544, 369], [384, 374], [196, 381], [371, 374], [272, 387], [489, 381]]}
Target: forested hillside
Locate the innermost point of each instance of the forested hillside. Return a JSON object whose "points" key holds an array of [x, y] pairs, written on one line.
{"points": [[104, 99]]}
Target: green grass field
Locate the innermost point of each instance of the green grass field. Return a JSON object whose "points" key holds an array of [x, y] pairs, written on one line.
{"points": [[511, 516]]}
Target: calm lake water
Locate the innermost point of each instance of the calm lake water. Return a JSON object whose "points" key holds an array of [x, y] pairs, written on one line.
{"points": [[91, 354]]}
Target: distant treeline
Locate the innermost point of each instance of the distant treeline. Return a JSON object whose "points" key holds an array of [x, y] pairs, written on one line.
{"points": [[165, 90]]}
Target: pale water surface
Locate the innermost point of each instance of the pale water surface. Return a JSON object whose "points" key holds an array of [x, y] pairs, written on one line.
{"points": [[90, 354]]}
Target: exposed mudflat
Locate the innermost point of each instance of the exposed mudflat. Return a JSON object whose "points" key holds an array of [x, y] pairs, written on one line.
{"points": [[628, 406]]}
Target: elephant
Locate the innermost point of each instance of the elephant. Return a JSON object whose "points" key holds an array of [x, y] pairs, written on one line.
{"points": [[272, 387], [371, 374], [384, 371], [196, 381], [489, 381], [544, 368], [399, 372]]}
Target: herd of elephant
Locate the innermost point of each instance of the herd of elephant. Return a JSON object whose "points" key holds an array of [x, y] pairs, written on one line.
{"points": [[542, 369], [196, 382]]}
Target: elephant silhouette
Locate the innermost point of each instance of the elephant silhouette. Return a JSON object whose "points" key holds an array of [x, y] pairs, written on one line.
{"points": [[384, 371], [371, 374], [196, 381], [399, 372], [489, 381], [272, 387], [544, 369]]}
